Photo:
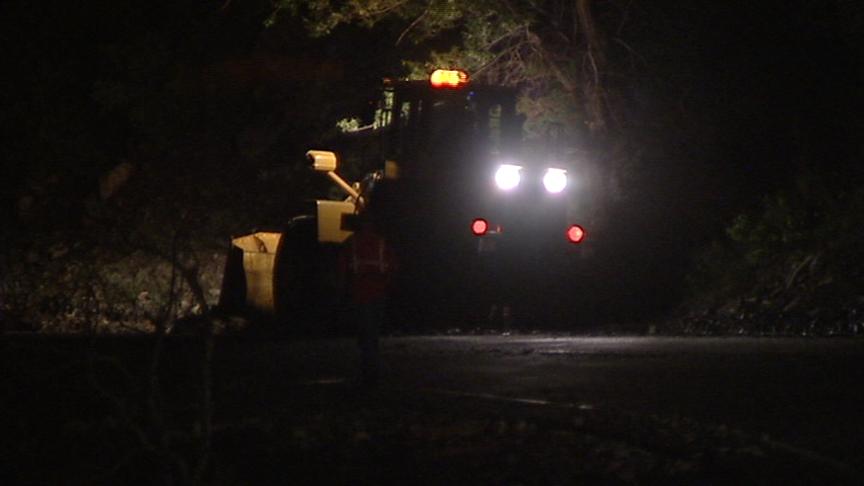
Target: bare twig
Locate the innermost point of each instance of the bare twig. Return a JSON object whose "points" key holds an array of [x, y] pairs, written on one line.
{"points": [[413, 24], [389, 8], [625, 15], [518, 30], [633, 53], [189, 274], [477, 72], [206, 406], [537, 45]]}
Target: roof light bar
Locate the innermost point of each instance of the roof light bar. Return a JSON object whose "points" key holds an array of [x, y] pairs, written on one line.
{"points": [[448, 78]]}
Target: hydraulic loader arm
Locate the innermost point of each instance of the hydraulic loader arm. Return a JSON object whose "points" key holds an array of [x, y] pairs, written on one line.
{"points": [[331, 214], [324, 161]]}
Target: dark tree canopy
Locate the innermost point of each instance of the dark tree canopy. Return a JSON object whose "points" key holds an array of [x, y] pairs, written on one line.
{"points": [[689, 113], [556, 51], [690, 122]]}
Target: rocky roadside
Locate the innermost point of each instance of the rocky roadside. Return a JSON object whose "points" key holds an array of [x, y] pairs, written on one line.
{"points": [[389, 437], [809, 295]]}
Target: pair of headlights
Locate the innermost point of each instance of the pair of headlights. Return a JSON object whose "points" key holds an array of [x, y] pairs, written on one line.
{"points": [[508, 177]]}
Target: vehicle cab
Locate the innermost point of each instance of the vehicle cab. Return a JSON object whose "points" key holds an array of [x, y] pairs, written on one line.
{"points": [[455, 149]]}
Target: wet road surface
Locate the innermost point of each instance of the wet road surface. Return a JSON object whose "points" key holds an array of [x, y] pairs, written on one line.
{"points": [[808, 393]]}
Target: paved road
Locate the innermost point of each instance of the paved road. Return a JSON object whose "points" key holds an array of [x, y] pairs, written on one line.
{"points": [[808, 393]]}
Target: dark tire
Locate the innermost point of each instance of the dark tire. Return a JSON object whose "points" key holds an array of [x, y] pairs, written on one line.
{"points": [[307, 280]]}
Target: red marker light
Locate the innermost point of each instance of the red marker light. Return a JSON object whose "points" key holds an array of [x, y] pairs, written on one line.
{"points": [[479, 227], [448, 78], [575, 234]]}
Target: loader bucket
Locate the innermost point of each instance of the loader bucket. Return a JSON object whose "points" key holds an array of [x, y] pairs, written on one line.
{"points": [[249, 282]]}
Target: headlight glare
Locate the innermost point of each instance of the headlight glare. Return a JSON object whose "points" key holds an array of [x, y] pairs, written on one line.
{"points": [[507, 176], [555, 180]]}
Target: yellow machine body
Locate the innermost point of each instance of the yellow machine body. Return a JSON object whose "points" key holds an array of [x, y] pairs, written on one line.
{"points": [[259, 265], [254, 271], [330, 217]]}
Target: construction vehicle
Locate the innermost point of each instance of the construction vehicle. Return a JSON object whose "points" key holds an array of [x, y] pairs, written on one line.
{"points": [[471, 220]]}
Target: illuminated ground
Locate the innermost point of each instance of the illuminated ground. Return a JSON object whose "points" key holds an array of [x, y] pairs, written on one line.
{"points": [[524, 409], [802, 392]]}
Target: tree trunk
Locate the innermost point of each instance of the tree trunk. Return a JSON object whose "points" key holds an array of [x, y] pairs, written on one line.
{"points": [[595, 61]]}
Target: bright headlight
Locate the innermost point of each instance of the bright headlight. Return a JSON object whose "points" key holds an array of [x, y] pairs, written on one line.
{"points": [[508, 176], [555, 180]]}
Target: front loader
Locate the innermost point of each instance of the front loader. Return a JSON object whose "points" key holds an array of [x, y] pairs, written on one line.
{"points": [[293, 274], [474, 221]]}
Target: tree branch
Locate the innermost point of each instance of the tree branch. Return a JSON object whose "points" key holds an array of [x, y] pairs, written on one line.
{"points": [[413, 24]]}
